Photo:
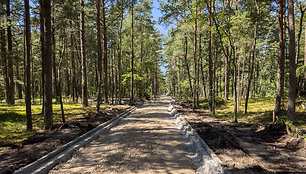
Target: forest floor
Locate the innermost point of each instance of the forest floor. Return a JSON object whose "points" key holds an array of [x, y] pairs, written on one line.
{"points": [[19, 148], [249, 146]]}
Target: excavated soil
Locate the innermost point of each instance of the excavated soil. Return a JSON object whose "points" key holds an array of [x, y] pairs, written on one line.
{"points": [[147, 141], [17, 155], [247, 148]]}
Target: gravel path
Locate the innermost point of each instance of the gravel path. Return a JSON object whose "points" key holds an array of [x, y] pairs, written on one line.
{"points": [[147, 141]]}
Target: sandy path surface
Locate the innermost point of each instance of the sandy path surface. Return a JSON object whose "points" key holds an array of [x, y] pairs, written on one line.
{"points": [[147, 141]]}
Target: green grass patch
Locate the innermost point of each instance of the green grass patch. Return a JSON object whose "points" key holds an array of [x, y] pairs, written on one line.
{"points": [[260, 111], [13, 119]]}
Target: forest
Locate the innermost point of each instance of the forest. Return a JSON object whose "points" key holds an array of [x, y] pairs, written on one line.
{"points": [[243, 62]]}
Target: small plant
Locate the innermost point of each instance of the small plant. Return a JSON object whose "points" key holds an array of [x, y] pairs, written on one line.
{"points": [[294, 130]]}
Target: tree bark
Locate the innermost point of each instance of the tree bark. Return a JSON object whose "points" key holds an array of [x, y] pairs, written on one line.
{"points": [[10, 70], [292, 64], [4, 64], [27, 79], [99, 74], [195, 57], [281, 59], [251, 69], [302, 11], [235, 85], [83, 56], [305, 58], [46, 8], [187, 64], [210, 64], [132, 57], [74, 89], [105, 53], [202, 68], [119, 57]]}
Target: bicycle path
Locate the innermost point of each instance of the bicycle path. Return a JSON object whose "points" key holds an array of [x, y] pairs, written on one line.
{"points": [[147, 141]]}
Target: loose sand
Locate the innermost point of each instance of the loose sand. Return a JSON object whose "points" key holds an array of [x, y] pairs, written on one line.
{"points": [[147, 141]]}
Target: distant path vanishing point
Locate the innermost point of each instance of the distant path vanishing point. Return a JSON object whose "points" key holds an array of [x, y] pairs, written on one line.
{"points": [[147, 141]]}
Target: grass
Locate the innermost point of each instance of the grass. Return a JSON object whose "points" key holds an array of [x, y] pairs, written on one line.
{"points": [[260, 111], [13, 118]]}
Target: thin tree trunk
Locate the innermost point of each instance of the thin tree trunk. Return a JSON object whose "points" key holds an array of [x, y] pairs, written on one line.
{"points": [[119, 56], [292, 64], [240, 94], [42, 43], [55, 84], [210, 65], [302, 11], [10, 70], [202, 68], [27, 78], [235, 85], [18, 85], [99, 74], [74, 90], [4, 62], [132, 57], [61, 101], [305, 59], [83, 56], [195, 57], [112, 72], [253, 62], [187, 64], [105, 53]]}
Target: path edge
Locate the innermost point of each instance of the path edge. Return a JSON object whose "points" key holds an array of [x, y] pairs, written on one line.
{"points": [[62, 154], [204, 159]]}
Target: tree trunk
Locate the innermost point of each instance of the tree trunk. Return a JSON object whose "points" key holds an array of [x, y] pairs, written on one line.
{"points": [[302, 11], [83, 56], [281, 59], [202, 68], [292, 64], [105, 53], [187, 64], [195, 57], [74, 89], [252, 64], [210, 65], [119, 57], [235, 85], [299, 86], [42, 43], [99, 74], [305, 59], [18, 84], [55, 83], [132, 57], [3, 56], [10, 70], [47, 59], [27, 78]]}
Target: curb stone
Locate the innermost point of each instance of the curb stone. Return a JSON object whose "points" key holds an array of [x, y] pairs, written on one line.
{"points": [[205, 160], [62, 154]]}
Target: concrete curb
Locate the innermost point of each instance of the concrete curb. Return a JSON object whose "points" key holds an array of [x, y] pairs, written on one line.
{"points": [[205, 160], [62, 154]]}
